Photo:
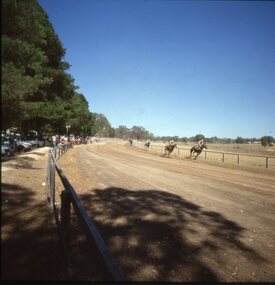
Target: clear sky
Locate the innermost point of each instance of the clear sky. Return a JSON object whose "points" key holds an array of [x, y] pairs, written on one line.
{"points": [[174, 67]]}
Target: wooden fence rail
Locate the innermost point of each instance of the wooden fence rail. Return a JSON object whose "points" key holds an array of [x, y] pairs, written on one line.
{"points": [[69, 198], [222, 153]]}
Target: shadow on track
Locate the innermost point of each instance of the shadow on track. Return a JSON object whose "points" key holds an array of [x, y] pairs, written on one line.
{"points": [[30, 248], [159, 236]]}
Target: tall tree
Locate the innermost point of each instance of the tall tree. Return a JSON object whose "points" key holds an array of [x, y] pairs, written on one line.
{"points": [[266, 141], [199, 137], [122, 132], [139, 133], [102, 126], [37, 91]]}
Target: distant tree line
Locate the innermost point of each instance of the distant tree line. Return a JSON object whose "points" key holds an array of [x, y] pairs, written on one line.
{"points": [[140, 133]]}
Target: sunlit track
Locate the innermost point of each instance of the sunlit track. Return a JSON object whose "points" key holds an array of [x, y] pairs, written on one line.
{"points": [[191, 168], [220, 215]]}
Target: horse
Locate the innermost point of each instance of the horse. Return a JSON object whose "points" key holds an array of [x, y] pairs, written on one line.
{"points": [[197, 149], [168, 149], [147, 145]]}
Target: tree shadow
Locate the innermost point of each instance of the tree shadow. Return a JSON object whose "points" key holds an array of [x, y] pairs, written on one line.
{"points": [[18, 162], [30, 247], [159, 236]]}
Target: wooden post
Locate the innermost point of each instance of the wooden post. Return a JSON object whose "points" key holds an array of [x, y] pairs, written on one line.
{"points": [[65, 227], [238, 158], [65, 217], [49, 168], [205, 155], [266, 162], [65, 208], [223, 157], [52, 183]]}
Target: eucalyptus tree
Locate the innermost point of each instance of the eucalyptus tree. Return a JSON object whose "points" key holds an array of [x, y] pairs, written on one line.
{"points": [[122, 132], [139, 133]]}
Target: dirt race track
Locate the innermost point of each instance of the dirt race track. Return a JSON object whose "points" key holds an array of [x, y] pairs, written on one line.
{"points": [[166, 219]]}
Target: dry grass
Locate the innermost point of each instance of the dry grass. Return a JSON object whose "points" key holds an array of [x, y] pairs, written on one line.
{"points": [[249, 154]]}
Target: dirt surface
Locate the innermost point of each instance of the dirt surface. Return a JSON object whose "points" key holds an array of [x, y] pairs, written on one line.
{"points": [[166, 219], [30, 247], [163, 219]]}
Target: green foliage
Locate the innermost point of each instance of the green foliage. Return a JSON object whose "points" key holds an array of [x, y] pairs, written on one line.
{"points": [[139, 133], [136, 132], [122, 132], [183, 139], [267, 141], [37, 92], [240, 140], [199, 137], [102, 127], [111, 132], [15, 86]]}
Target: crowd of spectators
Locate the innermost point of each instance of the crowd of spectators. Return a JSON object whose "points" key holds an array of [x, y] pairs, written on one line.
{"points": [[13, 142], [57, 140]]}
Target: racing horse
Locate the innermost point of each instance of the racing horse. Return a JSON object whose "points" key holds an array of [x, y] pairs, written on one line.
{"points": [[168, 149], [197, 149], [147, 145]]}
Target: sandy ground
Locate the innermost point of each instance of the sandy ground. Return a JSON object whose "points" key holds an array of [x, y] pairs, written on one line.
{"points": [[166, 219]]}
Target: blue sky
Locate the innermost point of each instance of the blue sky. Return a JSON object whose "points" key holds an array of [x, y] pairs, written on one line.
{"points": [[174, 67]]}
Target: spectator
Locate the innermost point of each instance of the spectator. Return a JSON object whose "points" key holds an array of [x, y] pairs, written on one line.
{"points": [[54, 140]]}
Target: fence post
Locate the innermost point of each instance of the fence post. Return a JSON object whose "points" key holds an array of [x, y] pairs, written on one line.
{"points": [[266, 162], [223, 157], [65, 218], [52, 183], [238, 158], [65, 212], [205, 155], [65, 223], [48, 169]]}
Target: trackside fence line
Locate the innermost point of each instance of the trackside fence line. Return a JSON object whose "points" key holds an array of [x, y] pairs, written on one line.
{"points": [[63, 217], [238, 155]]}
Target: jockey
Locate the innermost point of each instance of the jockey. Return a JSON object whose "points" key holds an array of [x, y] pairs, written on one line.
{"points": [[171, 142], [200, 143]]}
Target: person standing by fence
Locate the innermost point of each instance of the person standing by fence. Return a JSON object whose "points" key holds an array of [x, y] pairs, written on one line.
{"points": [[54, 140]]}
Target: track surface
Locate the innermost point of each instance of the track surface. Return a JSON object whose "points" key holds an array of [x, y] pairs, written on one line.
{"points": [[177, 220]]}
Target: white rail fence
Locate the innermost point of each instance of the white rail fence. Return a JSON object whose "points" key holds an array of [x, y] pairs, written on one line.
{"points": [[223, 156]]}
